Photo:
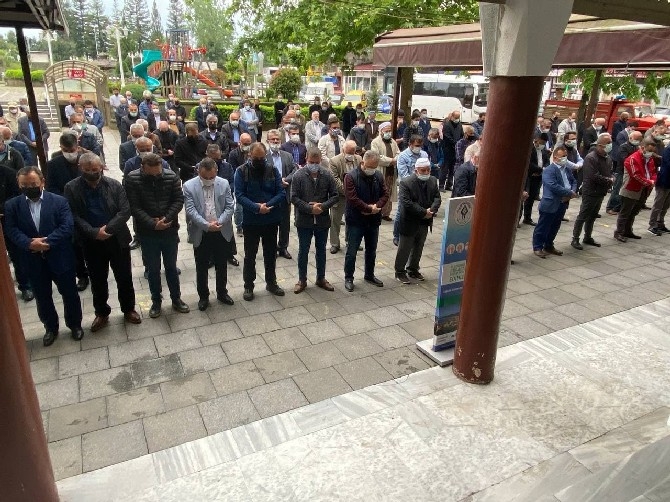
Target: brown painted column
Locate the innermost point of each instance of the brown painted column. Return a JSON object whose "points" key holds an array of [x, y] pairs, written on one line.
{"points": [[510, 118], [32, 103], [25, 467]]}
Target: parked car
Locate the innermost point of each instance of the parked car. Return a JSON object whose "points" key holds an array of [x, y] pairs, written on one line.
{"points": [[385, 103]]}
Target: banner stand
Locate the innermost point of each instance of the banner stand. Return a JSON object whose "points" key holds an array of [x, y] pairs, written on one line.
{"points": [[455, 240]]}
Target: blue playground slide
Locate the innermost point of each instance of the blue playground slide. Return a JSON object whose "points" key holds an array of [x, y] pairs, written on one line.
{"points": [[148, 58]]}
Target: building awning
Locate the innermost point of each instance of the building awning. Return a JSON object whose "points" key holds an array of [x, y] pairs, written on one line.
{"points": [[588, 42], [39, 14]]}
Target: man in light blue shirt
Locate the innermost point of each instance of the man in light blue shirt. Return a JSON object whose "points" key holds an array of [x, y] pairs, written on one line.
{"points": [[406, 163], [249, 117]]}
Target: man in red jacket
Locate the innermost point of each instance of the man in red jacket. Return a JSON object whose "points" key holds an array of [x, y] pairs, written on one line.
{"points": [[639, 176]]}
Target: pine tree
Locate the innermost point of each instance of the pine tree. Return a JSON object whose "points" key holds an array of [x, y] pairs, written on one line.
{"points": [[142, 24], [156, 23], [98, 25], [176, 19]]}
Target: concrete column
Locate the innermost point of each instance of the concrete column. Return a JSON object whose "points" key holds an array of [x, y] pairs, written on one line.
{"points": [[25, 467], [520, 40]]}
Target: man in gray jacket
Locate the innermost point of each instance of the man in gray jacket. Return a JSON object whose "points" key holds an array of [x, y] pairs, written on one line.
{"points": [[313, 193]]}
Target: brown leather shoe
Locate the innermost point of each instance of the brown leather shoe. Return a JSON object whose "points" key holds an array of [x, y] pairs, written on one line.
{"points": [[540, 253], [99, 322], [132, 317], [299, 287], [553, 251], [324, 284]]}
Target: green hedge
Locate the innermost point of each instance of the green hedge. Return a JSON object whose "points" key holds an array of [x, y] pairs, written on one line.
{"points": [[136, 89], [36, 75]]}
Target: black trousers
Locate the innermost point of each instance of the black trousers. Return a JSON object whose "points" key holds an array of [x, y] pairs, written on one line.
{"points": [[82, 271], [588, 211], [284, 227], [213, 247], [41, 278], [253, 234], [101, 256], [533, 192]]}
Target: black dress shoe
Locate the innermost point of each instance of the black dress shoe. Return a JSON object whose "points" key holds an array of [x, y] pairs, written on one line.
{"points": [[530, 222], [27, 295], [234, 262], [589, 241], [202, 305], [155, 310], [334, 249], [180, 306], [49, 337], [134, 244], [77, 334], [284, 253], [82, 284], [248, 294], [375, 281], [576, 244], [178, 271], [632, 236], [275, 289], [226, 299], [349, 285]]}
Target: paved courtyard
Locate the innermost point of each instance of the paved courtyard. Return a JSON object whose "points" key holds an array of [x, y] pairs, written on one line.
{"points": [[129, 390]]}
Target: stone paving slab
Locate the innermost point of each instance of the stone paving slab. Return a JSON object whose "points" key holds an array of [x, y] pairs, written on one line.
{"points": [[348, 340]]}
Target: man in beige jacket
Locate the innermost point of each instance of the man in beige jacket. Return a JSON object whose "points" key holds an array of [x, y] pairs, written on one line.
{"points": [[340, 165], [331, 144], [388, 152]]}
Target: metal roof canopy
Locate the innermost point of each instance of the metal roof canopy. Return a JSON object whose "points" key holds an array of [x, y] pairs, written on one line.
{"points": [[589, 42], [38, 14]]}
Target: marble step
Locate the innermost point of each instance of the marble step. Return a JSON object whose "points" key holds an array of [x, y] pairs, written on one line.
{"points": [[643, 476]]}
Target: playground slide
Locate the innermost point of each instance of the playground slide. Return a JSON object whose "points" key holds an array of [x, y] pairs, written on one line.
{"points": [[148, 58], [201, 77]]}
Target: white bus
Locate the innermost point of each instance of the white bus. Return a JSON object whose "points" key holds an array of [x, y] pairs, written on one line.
{"points": [[441, 94]]}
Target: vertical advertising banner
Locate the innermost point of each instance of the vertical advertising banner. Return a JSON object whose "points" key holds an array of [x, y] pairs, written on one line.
{"points": [[455, 241]]}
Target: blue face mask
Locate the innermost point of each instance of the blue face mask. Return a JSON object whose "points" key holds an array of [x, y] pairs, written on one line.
{"points": [[313, 168]]}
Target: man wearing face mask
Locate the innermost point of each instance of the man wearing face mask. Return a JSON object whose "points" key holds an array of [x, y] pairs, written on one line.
{"points": [[332, 143], [209, 217], [284, 163], [639, 178], [180, 110], [539, 159], [70, 109], [279, 106], [175, 124], [366, 194], [598, 180], [313, 193], [388, 152], [591, 135], [545, 128], [433, 147], [340, 165], [143, 148], [233, 129], [130, 99], [128, 149], [452, 132], [478, 125], [418, 202], [156, 199], [189, 151], [29, 136], [101, 211], [130, 119], [212, 136], [626, 148], [19, 146], [371, 127], [469, 137], [121, 111], [236, 158], [260, 191], [465, 178], [567, 125], [40, 225], [348, 118], [316, 106], [424, 122], [406, 162], [313, 130], [155, 117], [558, 187], [13, 116], [413, 128], [249, 117], [168, 140], [293, 146], [359, 135], [325, 111], [201, 113], [93, 115], [147, 103], [88, 137]]}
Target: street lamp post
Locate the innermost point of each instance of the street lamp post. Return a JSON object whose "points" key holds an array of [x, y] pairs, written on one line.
{"points": [[118, 48]]}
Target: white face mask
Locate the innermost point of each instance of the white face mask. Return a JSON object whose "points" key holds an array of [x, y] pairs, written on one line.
{"points": [[456, 121], [562, 161], [423, 177], [245, 148], [634, 142], [234, 123], [349, 158], [647, 154], [416, 150], [386, 135], [274, 146], [295, 138], [432, 140], [207, 183], [70, 156], [369, 172]]}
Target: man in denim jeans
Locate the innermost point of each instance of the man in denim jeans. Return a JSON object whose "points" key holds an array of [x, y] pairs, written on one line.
{"points": [[313, 193], [366, 194]]}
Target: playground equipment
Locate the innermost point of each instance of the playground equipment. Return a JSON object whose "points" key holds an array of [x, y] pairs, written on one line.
{"points": [[177, 68]]}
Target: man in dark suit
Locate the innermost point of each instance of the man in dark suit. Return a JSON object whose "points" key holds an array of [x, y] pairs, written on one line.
{"points": [[40, 225], [371, 127], [234, 129], [100, 209], [127, 149], [201, 113], [283, 162], [418, 201], [590, 135], [348, 118], [168, 139], [144, 147], [213, 136], [558, 187], [452, 132], [19, 146], [539, 159], [294, 147], [189, 151], [28, 135], [130, 119]]}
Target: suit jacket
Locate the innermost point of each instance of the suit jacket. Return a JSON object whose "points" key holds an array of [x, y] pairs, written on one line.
{"points": [[194, 202], [534, 169], [327, 147], [24, 151], [302, 151], [589, 138], [201, 118], [339, 168], [227, 129], [413, 202], [553, 189], [24, 132], [56, 224], [288, 167], [127, 151], [151, 119]]}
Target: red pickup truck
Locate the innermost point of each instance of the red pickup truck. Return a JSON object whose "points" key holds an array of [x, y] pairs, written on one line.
{"points": [[609, 110]]}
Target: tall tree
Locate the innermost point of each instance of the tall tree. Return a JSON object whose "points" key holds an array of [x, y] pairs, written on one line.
{"points": [[98, 24], [176, 18], [156, 23], [212, 26]]}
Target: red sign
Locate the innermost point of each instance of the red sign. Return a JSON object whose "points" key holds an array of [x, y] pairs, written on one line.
{"points": [[76, 73]]}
